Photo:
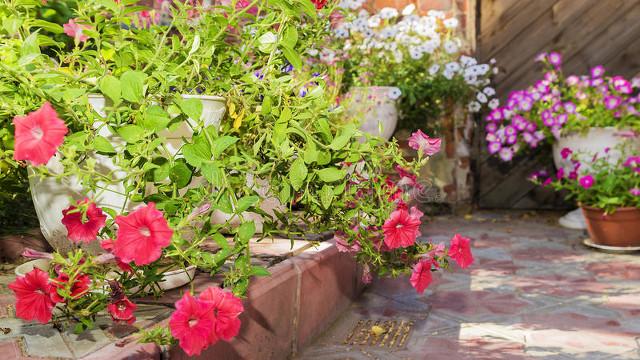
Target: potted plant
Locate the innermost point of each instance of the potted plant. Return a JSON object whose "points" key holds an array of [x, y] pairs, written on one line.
{"points": [[394, 60], [279, 128], [586, 114], [607, 188]]}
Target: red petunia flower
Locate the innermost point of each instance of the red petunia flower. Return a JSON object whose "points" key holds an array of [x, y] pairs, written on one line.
{"points": [[319, 3], [80, 287], [193, 324], [460, 251], [402, 228], [32, 296], [38, 135], [122, 310], [142, 235], [420, 141], [226, 309], [76, 31], [421, 275], [107, 245], [83, 227]]}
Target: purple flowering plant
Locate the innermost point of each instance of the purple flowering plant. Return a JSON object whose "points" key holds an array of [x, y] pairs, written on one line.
{"points": [[603, 182], [559, 104]]}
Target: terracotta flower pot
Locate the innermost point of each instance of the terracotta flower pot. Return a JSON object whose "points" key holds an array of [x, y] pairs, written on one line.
{"points": [[620, 229]]}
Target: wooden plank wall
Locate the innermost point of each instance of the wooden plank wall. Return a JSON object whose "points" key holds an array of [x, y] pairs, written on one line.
{"points": [[586, 32]]}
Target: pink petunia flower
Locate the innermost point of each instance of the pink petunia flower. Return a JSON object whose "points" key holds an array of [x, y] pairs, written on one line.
{"points": [[555, 59], [32, 296], [565, 152], [76, 30], [402, 228], [343, 245], [107, 245], [587, 181], [142, 235], [460, 251], [420, 141], [635, 191], [597, 71], [193, 324], [38, 135], [421, 275], [83, 226], [79, 287], [226, 309], [122, 310]]}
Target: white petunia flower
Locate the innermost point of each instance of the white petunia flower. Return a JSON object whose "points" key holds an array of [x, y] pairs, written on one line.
{"points": [[394, 93], [448, 74], [474, 106], [450, 47], [482, 98], [489, 91], [388, 13], [434, 69], [374, 21], [452, 66], [415, 53], [494, 103], [341, 33], [467, 61], [436, 14], [408, 10], [451, 23]]}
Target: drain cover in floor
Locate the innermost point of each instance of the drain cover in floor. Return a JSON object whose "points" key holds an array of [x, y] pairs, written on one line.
{"points": [[380, 333]]}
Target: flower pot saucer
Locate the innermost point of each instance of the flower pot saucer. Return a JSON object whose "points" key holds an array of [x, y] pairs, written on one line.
{"points": [[611, 249]]}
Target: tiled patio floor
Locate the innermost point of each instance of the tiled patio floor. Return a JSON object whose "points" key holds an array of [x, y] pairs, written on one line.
{"points": [[535, 292]]}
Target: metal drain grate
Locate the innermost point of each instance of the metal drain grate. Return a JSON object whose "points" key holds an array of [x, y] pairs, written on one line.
{"points": [[380, 333]]}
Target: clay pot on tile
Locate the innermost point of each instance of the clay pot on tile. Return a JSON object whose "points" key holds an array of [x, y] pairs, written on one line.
{"points": [[620, 229]]}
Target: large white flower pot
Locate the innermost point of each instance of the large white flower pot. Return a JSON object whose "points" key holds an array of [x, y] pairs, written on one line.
{"points": [[595, 141], [375, 109], [51, 196]]}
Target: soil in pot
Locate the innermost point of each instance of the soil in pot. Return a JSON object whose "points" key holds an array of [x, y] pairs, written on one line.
{"points": [[619, 229]]}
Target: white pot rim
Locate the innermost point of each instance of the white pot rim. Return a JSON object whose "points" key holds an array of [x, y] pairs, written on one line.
{"points": [[203, 97], [179, 271]]}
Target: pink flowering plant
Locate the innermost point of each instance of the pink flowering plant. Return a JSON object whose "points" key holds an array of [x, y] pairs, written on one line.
{"points": [[279, 131], [600, 182], [559, 104]]}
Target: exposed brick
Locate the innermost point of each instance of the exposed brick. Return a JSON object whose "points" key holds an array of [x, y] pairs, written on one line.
{"points": [[426, 5]]}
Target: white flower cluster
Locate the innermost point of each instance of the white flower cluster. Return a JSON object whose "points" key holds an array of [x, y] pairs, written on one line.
{"points": [[402, 36]]}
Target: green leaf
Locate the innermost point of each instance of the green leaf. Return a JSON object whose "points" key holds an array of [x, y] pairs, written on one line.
{"points": [[266, 105], [111, 87], [197, 153], [224, 204], [221, 241], [308, 7], [131, 133], [212, 172], [290, 38], [259, 271], [180, 174], [285, 193], [331, 174], [310, 153], [30, 45], [246, 202], [195, 45], [155, 118], [222, 143], [297, 173], [190, 107], [324, 157], [11, 24], [133, 85], [103, 145], [326, 196], [267, 42], [246, 230], [48, 26], [281, 125], [293, 57]]}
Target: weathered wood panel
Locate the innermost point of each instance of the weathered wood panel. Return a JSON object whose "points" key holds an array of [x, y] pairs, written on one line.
{"points": [[586, 32]]}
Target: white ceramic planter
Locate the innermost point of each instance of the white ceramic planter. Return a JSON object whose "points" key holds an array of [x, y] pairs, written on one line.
{"points": [[24, 269], [51, 196], [375, 106], [173, 279], [596, 140]]}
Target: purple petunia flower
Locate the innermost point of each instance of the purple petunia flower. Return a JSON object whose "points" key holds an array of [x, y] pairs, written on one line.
{"points": [[587, 181], [560, 173], [635, 191], [597, 71], [611, 102], [565, 153], [494, 147], [506, 154], [569, 107], [555, 59]]}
